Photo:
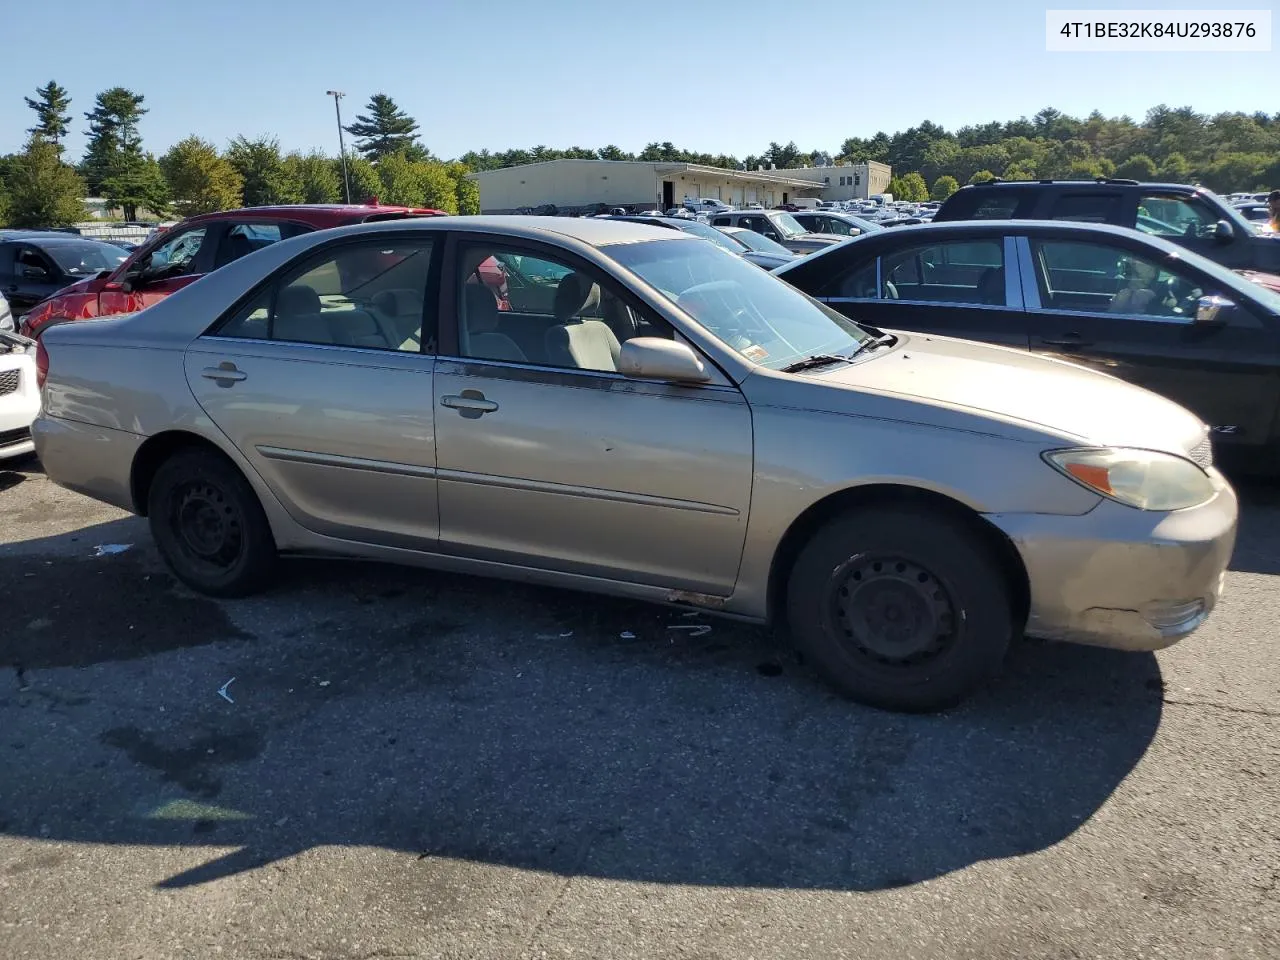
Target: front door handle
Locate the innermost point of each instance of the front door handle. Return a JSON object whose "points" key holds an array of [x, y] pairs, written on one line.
{"points": [[225, 372], [469, 403], [1069, 340]]}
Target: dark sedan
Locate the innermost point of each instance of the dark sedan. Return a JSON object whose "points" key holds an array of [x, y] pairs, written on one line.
{"points": [[721, 238], [1131, 305], [36, 264]]}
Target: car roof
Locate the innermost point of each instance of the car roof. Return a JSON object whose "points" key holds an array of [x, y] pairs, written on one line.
{"points": [[953, 229], [314, 214], [1077, 184], [596, 231], [49, 238]]}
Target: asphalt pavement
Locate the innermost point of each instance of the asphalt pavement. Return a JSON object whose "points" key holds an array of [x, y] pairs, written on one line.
{"points": [[376, 762]]}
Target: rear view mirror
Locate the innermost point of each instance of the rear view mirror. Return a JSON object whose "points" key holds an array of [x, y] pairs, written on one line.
{"points": [[1223, 232], [653, 358], [1213, 311]]}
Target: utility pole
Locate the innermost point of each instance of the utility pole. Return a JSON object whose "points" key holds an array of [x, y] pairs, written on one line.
{"points": [[342, 147]]}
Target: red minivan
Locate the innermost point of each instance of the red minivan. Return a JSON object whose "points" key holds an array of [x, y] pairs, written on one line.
{"points": [[170, 260]]}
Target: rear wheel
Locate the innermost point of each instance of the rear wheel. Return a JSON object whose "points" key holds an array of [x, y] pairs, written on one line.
{"points": [[901, 608], [209, 526]]}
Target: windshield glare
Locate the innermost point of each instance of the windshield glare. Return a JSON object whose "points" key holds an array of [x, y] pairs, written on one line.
{"points": [[86, 258], [760, 243], [788, 224], [765, 320], [714, 235]]}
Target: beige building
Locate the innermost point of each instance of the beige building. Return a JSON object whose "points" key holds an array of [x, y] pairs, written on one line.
{"points": [[583, 184], [852, 181]]}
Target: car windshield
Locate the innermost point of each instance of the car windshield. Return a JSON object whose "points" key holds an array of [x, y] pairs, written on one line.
{"points": [[788, 224], [732, 244], [82, 258], [760, 243], [765, 320]]}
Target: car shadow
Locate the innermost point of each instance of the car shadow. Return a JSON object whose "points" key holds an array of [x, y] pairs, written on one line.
{"points": [[1258, 540], [449, 717]]}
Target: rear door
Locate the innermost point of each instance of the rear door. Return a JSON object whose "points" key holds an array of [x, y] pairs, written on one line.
{"points": [[1127, 313], [322, 378], [965, 287]]}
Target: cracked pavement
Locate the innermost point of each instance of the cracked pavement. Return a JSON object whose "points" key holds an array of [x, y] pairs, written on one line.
{"points": [[421, 765]]}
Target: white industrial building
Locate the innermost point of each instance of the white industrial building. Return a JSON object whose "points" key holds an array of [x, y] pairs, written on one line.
{"points": [[850, 181], [572, 185]]}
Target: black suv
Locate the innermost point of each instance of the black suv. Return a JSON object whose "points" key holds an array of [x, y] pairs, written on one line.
{"points": [[1188, 216]]}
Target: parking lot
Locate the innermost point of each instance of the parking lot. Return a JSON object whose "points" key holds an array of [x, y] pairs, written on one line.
{"points": [[410, 764]]}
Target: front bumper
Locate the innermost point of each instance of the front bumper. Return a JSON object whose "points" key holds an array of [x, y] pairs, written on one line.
{"points": [[96, 461], [1125, 578]]}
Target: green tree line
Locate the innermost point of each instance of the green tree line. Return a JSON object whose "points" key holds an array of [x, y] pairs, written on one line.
{"points": [[39, 186]]}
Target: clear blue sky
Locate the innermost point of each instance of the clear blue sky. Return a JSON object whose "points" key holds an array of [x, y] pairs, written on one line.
{"points": [[713, 75]]}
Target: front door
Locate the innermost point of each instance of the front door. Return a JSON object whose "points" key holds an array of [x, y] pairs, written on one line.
{"points": [[1131, 316], [550, 458], [323, 381], [179, 259]]}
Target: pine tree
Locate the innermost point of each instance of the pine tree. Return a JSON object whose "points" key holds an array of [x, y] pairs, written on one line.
{"points": [[385, 130], [50, 105], [114, 142]]}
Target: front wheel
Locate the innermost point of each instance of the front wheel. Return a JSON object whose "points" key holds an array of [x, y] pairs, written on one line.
{"points": [[901, 608], [209, 526]]}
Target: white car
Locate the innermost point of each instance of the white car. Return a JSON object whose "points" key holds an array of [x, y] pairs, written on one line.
{"points": [[7, 323], [19, 395]]}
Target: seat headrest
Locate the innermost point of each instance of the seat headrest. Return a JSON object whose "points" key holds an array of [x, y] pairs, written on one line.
{"points": [[482, 308], [574, 295], [296, 300]]}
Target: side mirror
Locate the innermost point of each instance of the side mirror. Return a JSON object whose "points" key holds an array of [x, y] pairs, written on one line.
{"points": [[1223, 232], [35, 273], [653, 358], [1213, 311]]}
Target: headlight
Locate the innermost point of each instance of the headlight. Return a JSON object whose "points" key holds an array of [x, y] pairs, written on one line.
{"points": [[1144, 479]]}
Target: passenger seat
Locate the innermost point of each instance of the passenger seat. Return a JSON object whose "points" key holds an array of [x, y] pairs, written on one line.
{"points": [[584, 343]]}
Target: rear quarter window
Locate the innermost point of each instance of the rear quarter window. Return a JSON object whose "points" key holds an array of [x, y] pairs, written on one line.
{"points": [[984, 204]]}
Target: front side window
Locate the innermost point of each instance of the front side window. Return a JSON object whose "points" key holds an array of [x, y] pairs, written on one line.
{"points": [[555, 314], [1100, 278], [840, 227], [1175, 216], [744, 307], [371, 295], [959, 271], [33, 264], [174, 257]]}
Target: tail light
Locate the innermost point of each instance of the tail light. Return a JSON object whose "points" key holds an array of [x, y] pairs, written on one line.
{"points": [[42, 364]]}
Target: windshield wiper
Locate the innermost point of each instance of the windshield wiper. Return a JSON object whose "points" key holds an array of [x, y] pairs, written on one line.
{"points": [[816, 360]]}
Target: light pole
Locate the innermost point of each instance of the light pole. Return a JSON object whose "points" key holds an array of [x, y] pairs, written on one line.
{"points": [[342, 147]]}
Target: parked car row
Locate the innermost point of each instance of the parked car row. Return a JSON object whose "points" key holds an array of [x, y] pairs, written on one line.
{"points": [[630, 409]]}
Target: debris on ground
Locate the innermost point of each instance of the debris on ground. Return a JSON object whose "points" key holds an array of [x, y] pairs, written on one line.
{"points": [[695, 629], [222, 690], [111, 549]]}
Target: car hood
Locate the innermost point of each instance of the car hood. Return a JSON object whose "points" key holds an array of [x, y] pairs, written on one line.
{"points": [[1020, 389], [1269, 280]]}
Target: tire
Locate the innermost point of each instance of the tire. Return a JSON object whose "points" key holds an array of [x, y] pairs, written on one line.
{"points": [[209, 526], [901, 608]]}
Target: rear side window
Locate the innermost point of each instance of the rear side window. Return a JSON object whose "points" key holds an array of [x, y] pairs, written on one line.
{"points": [[1085, 207], [982, 203], [371, 295], [961, 271]]}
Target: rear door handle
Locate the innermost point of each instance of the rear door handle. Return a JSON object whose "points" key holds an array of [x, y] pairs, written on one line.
{"points": [[469, 401], [225, 372]]}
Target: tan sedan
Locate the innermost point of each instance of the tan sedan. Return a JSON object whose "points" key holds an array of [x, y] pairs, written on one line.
{"points": [[624, 409]]}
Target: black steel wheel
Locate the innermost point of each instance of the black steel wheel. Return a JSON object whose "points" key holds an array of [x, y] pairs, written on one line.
{"points": [[901, 607], [209, 526]]}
